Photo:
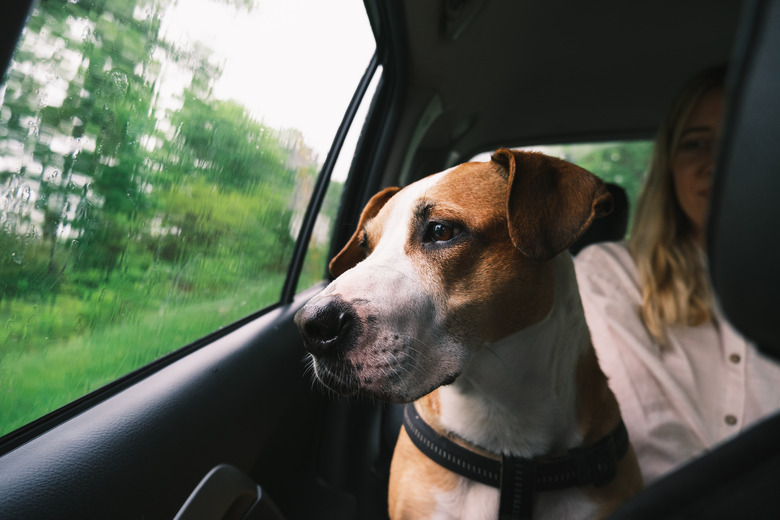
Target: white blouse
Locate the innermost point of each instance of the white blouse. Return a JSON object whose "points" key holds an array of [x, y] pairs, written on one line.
{"points": [[706, 385]]}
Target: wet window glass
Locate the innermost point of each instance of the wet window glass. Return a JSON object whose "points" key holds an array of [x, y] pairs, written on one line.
{"points": [[317, 260], [156, 159]]}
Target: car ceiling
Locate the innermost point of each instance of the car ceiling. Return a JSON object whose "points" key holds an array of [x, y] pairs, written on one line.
{"points": [[489, 73]]}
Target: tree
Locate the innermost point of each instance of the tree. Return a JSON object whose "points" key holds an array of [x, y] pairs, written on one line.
{"points": [[106, 174], [622, 163], [85, 148]]}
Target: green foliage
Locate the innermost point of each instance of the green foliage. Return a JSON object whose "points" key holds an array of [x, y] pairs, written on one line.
{"points": [[220, 141], [121, 239], [35, 381], [316, 261], [624, 164]]}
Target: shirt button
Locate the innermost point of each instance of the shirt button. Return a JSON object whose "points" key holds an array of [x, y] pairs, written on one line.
{"points": [[731, 420], [735, 358]]}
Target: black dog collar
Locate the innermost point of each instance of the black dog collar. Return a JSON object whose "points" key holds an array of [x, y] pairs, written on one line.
{"points": [[520, 478]]}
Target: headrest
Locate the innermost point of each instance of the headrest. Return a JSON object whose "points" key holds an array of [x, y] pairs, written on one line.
{"points": [[609, 228]]}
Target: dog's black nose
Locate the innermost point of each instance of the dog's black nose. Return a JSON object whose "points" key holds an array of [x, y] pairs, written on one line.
{"points": [[326, 326]]}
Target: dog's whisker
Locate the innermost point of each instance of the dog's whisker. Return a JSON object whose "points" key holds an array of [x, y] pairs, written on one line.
{"points": [[414, 375], [500, 360], [414, 358]]}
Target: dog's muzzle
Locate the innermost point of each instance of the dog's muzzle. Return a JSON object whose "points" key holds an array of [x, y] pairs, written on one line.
{"points": [[359, 348], [329, 326]]}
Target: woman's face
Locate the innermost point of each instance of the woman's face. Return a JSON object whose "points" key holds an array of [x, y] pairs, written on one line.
{"points": [[693, 159]]}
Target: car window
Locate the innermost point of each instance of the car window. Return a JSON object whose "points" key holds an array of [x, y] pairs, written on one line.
{"points": [[624, 163], [317, 260], [156, 158]]}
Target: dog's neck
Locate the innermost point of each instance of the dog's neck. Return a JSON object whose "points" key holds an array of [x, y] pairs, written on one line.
{"points": [[518, 396]]}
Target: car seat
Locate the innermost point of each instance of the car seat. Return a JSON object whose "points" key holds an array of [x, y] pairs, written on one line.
{"points": [[608, 228]]}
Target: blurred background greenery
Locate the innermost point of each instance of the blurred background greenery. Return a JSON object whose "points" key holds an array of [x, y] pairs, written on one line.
{"points": [[131, 224]]}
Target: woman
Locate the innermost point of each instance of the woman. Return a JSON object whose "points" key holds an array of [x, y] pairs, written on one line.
{"points": [[685, 379]]}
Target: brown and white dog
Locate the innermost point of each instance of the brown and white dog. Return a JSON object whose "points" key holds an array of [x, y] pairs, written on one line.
{"points": [[458, 292]]}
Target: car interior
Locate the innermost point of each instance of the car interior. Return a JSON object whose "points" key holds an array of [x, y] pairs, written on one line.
{"points": [[231, 425]]}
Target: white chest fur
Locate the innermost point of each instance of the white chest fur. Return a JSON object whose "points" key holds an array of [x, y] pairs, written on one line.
{"points": [[474, 501], [518, 397]]}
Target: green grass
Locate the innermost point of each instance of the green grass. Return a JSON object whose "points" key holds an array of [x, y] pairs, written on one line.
{"points": [[39, 374]]}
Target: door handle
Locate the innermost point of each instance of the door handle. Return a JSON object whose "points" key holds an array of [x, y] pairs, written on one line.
{"points": [[227, 493]]}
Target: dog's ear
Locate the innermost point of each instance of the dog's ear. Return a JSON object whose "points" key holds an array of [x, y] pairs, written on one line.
{"points": [[550, 202], [352, 253]]}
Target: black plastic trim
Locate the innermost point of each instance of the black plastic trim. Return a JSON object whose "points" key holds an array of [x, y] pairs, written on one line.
{"points": [[321, 188], [14, 19]]}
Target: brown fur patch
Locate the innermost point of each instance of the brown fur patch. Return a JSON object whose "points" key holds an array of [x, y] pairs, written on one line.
{"points": [[627, 483], [598, 413], [414, 479], [430, 410], [480, 273], [352, 253], [597, 409]]}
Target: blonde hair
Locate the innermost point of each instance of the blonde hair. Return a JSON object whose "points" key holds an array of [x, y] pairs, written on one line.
{"points": [[672, 271]]}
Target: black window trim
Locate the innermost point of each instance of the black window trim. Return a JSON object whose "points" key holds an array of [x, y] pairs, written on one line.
{"points": [[321, 186], [12, 24]]}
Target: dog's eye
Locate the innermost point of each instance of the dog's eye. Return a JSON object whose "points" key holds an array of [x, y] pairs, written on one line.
{"points": [[440, 232]]}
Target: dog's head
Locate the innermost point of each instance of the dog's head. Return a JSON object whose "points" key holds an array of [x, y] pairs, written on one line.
{"points": [[442, 267]]}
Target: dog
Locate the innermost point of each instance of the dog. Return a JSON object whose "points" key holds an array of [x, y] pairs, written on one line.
{"points": [[457, 293]]}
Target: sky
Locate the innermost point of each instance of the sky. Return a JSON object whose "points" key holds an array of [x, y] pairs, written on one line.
{"points": [[329, 50]]}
